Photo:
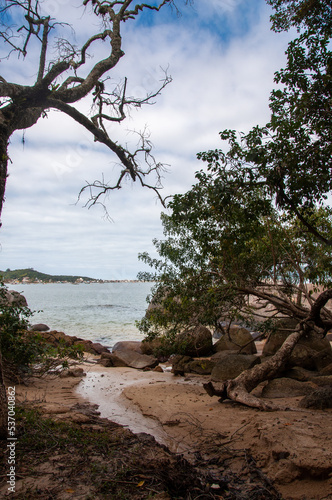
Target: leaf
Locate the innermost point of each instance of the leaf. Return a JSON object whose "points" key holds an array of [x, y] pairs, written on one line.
{"points": [[140, 484]]}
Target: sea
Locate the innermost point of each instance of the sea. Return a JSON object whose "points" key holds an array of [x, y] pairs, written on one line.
{"points": [[101, 312]]}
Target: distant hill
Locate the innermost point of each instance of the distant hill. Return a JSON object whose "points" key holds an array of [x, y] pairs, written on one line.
{"points": [[33, 276]]}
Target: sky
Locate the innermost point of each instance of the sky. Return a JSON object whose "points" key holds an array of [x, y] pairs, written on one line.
{"points": [[221, 55]]}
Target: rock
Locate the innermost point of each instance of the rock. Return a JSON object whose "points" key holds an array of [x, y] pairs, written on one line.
{"points": [[39, 327], [322, 380], [327, 370], [128, 357], [235, 339], [230, 365], [194, 342], [132, 345], [202, 366], [301, 374], [14, 299], [313, 352], [158, 369], [320, 399], [73, 372], [180, 364], [54, 337], [287, 388], [98, 348], [151, 346], [322, 358]]}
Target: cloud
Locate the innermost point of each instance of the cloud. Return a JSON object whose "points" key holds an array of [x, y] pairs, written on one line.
{"points": [[221, 79]]}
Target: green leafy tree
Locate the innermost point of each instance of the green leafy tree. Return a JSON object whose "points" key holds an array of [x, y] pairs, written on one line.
{"points": [[256, 229]]}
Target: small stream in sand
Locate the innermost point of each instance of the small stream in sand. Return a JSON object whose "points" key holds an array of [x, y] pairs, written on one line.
{"points": [[105, 388]]}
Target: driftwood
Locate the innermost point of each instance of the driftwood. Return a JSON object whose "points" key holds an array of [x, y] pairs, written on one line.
{"points": [[239, 389]]}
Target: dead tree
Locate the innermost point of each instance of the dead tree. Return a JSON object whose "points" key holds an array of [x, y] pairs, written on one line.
{"points": [[65, 79]]}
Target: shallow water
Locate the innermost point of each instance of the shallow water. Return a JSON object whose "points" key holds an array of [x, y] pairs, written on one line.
{"points": [[102, 312], [105, 387]]}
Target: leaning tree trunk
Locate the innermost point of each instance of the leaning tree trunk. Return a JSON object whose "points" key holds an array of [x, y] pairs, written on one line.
{"points": [[239, 389], [3, 404], [3, 178]]}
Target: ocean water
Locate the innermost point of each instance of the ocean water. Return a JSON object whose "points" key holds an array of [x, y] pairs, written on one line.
{"points": [[101, 312]]}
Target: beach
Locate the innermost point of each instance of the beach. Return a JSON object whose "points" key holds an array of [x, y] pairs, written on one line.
{"points": [[291, 448]]}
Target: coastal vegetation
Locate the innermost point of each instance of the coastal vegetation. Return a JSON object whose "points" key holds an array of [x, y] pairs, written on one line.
{"points": [[251, 241], [30, 275], [22, 348]]}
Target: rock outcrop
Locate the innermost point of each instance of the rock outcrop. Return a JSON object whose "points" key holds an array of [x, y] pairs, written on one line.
{"points": [[13, 298], [230, 364], [312, 352], [238, 339]]}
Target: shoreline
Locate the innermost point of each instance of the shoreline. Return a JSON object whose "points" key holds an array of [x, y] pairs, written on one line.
{"points": [[291, 448]]}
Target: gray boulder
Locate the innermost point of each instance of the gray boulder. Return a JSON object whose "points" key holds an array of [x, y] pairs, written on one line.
{"points": [[13, 298], [230, 365], [180, 364], [320, 399], [186, 364], [312, 352], [237, 339], [128, 357], [40, 327], [194, 342], [287, 388], [132, 345]]}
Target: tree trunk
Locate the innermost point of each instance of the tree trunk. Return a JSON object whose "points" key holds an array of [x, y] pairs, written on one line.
{"points": [[3, 178], [3, 404], [239, 389], [3, 166]]}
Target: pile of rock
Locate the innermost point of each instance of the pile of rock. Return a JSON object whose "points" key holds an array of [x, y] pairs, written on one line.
{"points": [[56, 338]]}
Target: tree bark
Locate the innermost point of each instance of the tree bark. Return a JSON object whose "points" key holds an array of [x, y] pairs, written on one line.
{"points": [[3, 179], [3, 403], [3, 167]]}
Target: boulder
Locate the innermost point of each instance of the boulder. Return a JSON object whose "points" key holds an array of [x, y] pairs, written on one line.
{"points": [[327, 370], [132, 345], [287, 388], [73, 372], [236, 338], [312, 352], [13, 298], [301, 374], [194, 342], [151, 346], [55, 338], [201, 366], [230, 365], [320, 399], [98, 348], [39, 327], [130, 358], [180, 364]]}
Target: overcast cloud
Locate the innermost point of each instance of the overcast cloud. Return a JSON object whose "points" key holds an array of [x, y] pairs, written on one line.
{"points": [[222, 57]]}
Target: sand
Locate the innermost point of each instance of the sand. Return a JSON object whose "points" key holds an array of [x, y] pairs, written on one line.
{"points": [[293, 448]]}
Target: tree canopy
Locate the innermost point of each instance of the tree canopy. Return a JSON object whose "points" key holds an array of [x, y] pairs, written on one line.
{"points": [[251, 240], [67, 73]]}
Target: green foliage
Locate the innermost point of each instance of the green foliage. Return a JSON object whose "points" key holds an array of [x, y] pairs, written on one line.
{"points": [[17, 344], [23, 348], [256, 221]]}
